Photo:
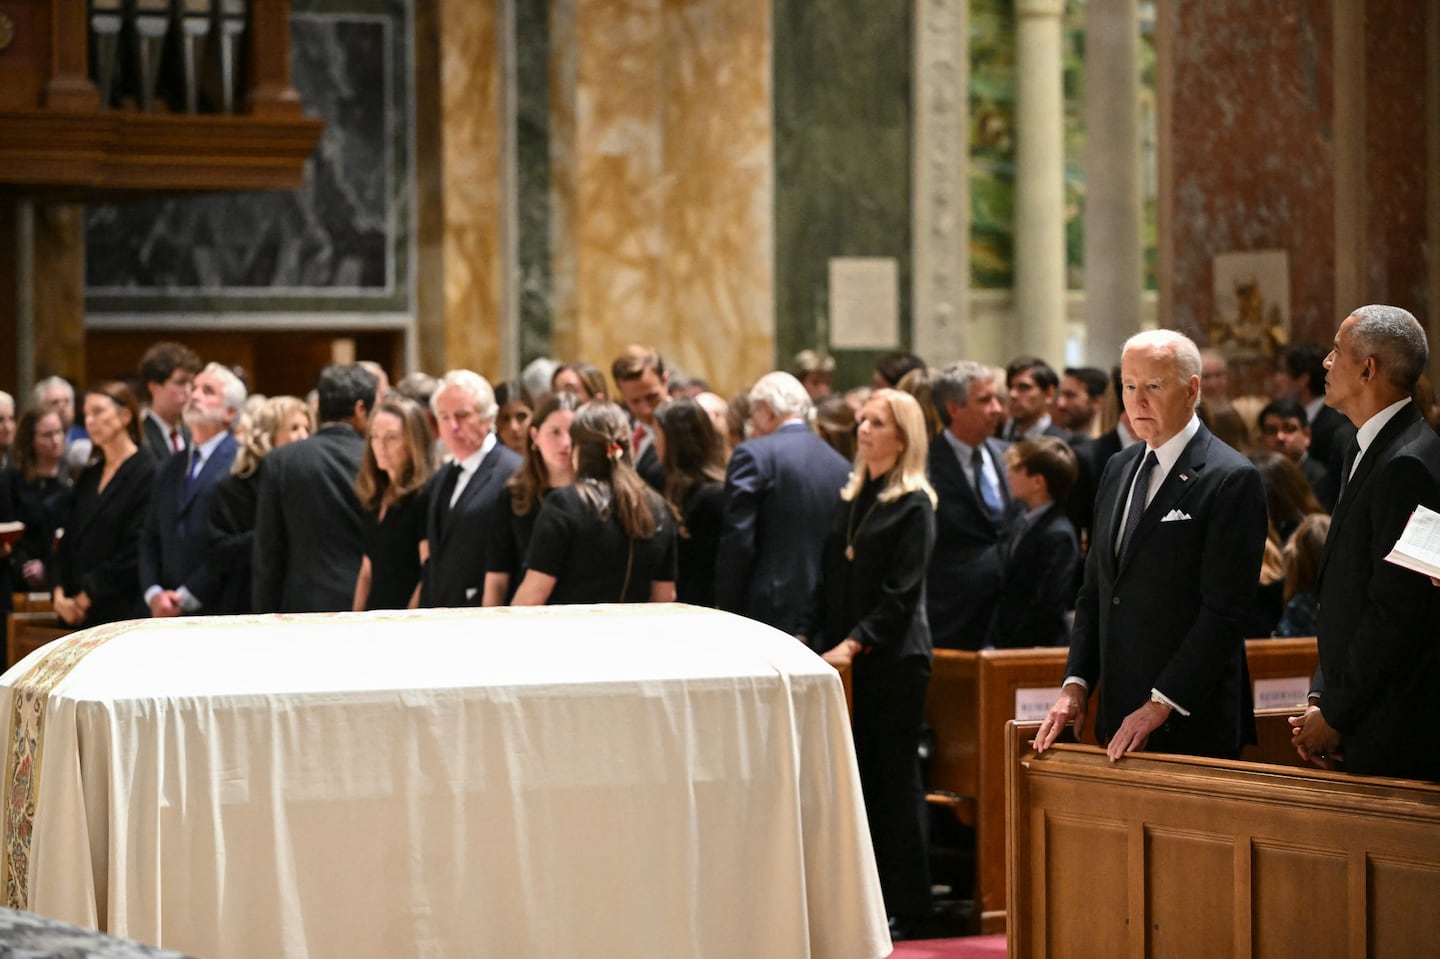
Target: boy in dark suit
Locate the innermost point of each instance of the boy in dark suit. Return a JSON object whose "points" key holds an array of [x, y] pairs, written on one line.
{"points": [[1040, 552]]}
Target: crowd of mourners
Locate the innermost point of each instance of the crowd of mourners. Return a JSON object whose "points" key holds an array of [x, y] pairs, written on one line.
{"points": [[950, 507]]}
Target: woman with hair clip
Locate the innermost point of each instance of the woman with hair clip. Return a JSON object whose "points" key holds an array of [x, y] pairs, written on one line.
{"points": [[608, 538], [274, 423], [97, 564], [547, 467], [391, 488], [870, 613], [693, 455]]}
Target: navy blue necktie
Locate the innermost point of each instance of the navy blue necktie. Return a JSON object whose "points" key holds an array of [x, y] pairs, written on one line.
{"points": [[1137, 500]]}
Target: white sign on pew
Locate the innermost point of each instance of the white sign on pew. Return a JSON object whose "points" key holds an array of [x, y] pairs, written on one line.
{"points": [[1283, 692], [1033, 704]]}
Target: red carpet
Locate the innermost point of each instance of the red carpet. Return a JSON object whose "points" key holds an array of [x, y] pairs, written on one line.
{"points": [[969, 947]]}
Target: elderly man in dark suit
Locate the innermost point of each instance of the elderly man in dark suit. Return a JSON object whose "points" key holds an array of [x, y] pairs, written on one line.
{"points": [[1372, 699], [467, 494], [1179, 530], [309, 526], [967, 469], [176, 572], [781, 491]]}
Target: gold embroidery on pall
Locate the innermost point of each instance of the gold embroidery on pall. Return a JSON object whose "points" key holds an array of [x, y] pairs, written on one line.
{"points": [[22, 761]]}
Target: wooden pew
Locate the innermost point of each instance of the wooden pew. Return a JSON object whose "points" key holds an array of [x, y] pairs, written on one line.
{"points": [[972, 695], [1176, 856], [31, 603], [29, 631]]}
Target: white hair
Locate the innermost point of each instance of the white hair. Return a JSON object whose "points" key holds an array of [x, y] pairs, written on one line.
{"points": [[49, 381], [474, 385], [537, 376], [1179, 346], [7, 400], [1393, 336], [782, 393], [232, 390]]}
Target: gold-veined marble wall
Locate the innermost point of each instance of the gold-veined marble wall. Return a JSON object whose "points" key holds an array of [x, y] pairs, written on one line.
{"points": [[471, 138], [661, 148]]}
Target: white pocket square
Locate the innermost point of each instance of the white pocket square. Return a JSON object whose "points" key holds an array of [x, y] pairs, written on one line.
{"points": [[1174, 516]]}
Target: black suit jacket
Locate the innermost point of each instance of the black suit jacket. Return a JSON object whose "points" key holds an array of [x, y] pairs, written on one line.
{"points": [[98, 554], [1331, 436], [650, 470], [1039, 583], [175, 542], [1169, 616], [781, 492], [309, 527], [1379, 658], [964, 578], [156, 441], [460, 539]]}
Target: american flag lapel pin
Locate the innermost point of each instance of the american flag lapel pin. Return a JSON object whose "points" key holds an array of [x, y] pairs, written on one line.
{"points": [[1184, 478]]}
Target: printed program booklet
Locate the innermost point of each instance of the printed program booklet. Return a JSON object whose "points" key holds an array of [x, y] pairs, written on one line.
{"points": [[1419, 546]]}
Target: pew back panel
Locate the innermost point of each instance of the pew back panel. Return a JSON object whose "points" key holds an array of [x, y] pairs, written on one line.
{"points": [[1162, 855]]}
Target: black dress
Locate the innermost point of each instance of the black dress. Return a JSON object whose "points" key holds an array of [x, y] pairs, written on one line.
{"points": [[393, 546], [510, 541], [704, 510], [232, 538], [589, 556], [99, 552], [877, 598]]}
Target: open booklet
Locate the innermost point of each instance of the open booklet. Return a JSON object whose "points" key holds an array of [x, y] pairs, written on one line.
{"points": [[1419, 546]]}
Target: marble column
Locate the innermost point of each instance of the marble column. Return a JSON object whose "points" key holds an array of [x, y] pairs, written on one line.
{"points": [[662, 172], [1349, 140], [1432, 180], [1114, 271], [941, 279], [58, 298], [472, 145], [1039, 182]]}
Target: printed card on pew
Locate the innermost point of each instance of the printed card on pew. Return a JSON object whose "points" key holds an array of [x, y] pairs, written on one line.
{"points": [[1419, 546]]}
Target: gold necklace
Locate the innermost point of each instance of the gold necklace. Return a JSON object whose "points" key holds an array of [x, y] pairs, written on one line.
{"points": [[852, 531]]}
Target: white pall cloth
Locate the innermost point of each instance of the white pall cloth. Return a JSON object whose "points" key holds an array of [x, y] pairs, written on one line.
{"points": [[586, 781]]}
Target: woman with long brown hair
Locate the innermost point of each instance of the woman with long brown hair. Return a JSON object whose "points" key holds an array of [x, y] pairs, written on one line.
{"points": [[693, 454], [547, 467], [97, 563], [391, 487], [607, 538], [278, 421]]}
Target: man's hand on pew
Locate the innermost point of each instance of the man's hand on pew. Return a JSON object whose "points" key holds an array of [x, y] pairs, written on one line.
{"points": [[1070, 707], [1135, 731], [1314, 739]]}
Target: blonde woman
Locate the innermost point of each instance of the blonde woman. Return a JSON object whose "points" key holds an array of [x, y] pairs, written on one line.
{"points": [[274, 423], [391, 488], [870, 611]]}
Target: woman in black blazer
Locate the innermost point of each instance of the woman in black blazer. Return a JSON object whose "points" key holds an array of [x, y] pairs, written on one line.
{"points": [[96, 564], [871, 616], [40, 493]]}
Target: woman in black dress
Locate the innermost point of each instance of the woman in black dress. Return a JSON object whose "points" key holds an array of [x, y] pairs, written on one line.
{"points": [[40, 494], [513, 415], [547, 467], [693, 455], [278, 421], [96, 571], [391, 488], [871, 616], [607, 538]]}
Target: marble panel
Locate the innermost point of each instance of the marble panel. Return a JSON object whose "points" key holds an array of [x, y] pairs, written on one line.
{"points": [[343, 241], [471, 160], [843, 159], [1395, 158], [1253, 152], [532, 175], [661, 175]]}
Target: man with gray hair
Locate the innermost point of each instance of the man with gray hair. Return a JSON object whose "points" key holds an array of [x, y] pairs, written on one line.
{"points": [[782, 488], [467, 494], [967, 469], [1179, 533], [1370, 706], [176, 572]]}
